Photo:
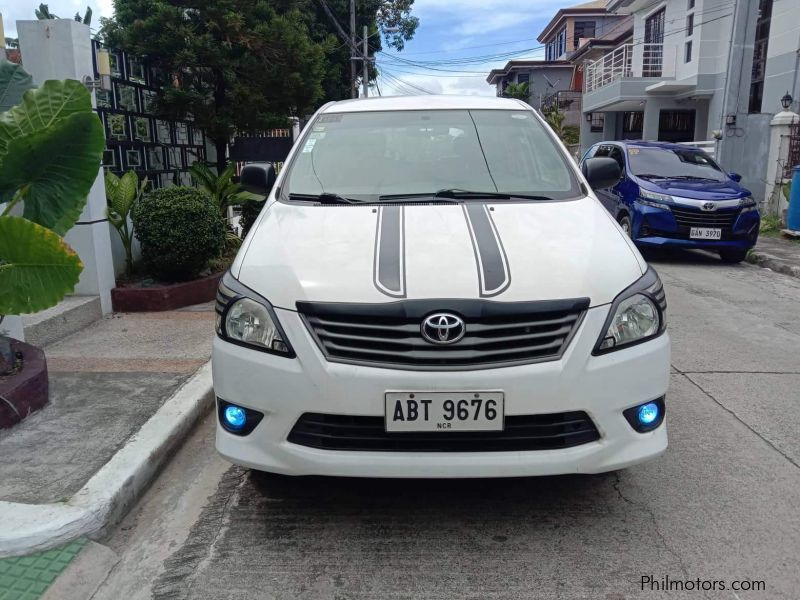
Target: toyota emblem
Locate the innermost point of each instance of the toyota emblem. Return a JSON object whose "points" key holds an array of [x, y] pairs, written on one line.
{"points": [[708, 206], [443, 328]]}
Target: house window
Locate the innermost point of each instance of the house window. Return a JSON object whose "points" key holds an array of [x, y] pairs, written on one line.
{"points": [[760, 55], [691, 4], [557, 46], [690, 25], [687, 52], [523, 78], [583, 29], [598, 122]]}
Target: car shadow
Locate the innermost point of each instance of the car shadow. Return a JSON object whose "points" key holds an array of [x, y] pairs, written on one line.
{"points": [[680, 256], [331, 495]]}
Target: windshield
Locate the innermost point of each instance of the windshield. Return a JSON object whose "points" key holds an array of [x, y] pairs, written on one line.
{"points": [[671, 163], [369, 155]]}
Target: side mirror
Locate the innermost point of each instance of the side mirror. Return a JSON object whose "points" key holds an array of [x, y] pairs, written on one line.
{"points": [[257, 178], [601, 172], [735, 176]]}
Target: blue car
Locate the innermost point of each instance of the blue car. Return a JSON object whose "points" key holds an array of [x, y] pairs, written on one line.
{"points": [[670, 195]]}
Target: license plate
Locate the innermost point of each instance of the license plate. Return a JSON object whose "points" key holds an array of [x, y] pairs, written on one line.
{"points": [[444, 411], [705, 233]]}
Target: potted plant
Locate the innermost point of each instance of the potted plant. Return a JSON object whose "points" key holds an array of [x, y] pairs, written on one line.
{"points": [[51, 144], [181, 233]]}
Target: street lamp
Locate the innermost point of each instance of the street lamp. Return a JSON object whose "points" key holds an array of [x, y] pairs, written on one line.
{"points": [[786, 101]]}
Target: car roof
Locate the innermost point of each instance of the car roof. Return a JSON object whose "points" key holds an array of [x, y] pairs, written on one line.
{"points": [[426, 102]]}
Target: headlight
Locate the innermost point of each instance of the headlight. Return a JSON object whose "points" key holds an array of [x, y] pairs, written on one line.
{"points": [[247, 319], [638, 314], [656, 199], [747, 204]]}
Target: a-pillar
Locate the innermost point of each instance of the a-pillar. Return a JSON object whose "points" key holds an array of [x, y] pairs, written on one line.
{"points": [[62, 49], [778, 153]]}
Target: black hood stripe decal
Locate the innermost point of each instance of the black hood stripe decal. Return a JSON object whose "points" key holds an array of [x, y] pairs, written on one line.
{"points": [[389, 267], [494, 275]]}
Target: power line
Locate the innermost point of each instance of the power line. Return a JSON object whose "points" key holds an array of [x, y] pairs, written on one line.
{"points": [[404, 86]]}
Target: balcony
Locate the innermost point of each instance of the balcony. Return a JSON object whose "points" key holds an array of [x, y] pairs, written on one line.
{"points": [[644, 61]]}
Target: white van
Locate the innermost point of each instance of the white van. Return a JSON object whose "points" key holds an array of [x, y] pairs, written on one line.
{"points": [[432, 290]]}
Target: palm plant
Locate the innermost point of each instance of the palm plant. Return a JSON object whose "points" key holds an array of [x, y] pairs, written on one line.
{"points": [[520, 91], [222, 189], [121, 194]]}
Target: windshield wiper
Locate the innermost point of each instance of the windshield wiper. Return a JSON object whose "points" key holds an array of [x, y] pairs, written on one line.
{"points": [[420, 198], [324, 198], [471, 195], [453, 195], [692, 178], [650, 176]]}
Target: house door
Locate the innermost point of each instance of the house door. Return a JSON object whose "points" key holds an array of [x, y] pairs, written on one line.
{"points": [[653, 50], [632, 125], [676, 125]]}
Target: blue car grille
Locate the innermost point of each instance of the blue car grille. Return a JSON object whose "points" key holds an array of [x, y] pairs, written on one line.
{"points": [[723, 219], [686, 218]]}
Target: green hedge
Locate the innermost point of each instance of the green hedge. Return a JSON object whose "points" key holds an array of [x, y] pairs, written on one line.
{"points": [[180, 230]]}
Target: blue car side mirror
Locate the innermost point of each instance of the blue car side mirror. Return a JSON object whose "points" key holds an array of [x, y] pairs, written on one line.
{"points": [[735, 176]]}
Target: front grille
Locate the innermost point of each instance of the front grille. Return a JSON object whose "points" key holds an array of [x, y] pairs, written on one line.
{"points": [[525, 432], [497, 334], [687, 218]]}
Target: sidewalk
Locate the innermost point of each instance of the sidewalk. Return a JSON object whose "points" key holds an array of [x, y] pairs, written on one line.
{"points": [[778, 253], [123, 394]]}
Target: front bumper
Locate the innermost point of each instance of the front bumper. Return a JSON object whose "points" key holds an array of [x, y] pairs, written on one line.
{"points": [[656, 227], [283, 389]]}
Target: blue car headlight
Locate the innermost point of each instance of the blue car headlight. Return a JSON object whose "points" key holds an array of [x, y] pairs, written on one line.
{"points": [[654, 199], [747, 204]]}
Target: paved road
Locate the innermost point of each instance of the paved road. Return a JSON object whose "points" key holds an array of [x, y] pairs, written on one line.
{"points": [[722, 504]]}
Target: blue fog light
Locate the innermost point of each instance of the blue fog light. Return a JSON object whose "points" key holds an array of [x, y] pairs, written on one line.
{"points": [[646, 417], [648, 413], [235, 417]]}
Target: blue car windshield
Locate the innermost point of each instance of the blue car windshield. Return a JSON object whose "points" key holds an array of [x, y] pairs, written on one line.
{"points": [[673, 163]]}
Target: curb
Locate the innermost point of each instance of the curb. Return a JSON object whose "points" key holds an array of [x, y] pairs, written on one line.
{"points": [[113, 490], [769, 261]]}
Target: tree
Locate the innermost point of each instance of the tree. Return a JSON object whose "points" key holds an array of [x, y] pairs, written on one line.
{"points": [[520, 91], [569, 134], [230, 64], [391, 18], [43, 13]]}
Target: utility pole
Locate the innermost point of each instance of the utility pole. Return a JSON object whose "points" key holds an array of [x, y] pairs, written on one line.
{"points": [[365, 76], [353, 92]]}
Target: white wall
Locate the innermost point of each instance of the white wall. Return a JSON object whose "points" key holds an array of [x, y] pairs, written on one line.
{"points": [[62, 49]]}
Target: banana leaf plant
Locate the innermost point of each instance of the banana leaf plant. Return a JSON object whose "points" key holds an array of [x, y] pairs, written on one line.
{"points": [[51, 144], [121, 194]]}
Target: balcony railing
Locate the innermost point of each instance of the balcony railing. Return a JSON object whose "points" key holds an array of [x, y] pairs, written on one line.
{"points": [[563, 100], [628, 60]]}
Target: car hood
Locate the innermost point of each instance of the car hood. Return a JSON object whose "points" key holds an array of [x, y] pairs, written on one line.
{"points": [[500, 251], [698, 190]]}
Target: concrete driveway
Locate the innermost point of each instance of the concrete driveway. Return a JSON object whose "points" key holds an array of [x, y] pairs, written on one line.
{"points": [[722, 505]]}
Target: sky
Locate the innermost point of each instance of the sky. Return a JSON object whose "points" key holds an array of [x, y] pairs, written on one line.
{"points": [[455, 47]]}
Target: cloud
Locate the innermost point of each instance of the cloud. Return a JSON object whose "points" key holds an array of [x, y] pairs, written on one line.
{"points": [[413, 84]]}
